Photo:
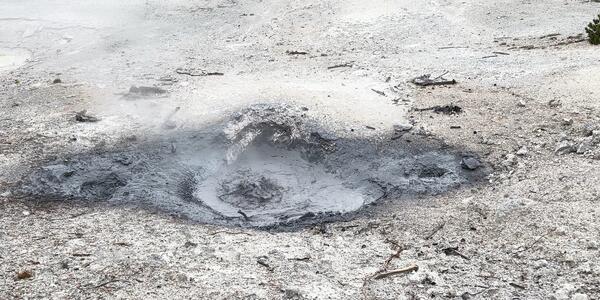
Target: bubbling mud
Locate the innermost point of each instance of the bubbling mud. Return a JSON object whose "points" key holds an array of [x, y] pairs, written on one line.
{"points": [[266, 166]]}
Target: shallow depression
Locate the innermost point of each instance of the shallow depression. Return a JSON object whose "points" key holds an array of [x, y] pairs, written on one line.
{"points": [[268, 165]]}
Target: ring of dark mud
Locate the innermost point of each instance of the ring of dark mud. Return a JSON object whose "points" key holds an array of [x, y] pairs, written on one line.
{"points": [[268, 166]]}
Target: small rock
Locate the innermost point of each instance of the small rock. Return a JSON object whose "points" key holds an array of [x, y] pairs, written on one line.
{"points": [[585, 146], [567, 121], [510, 160], [26, 213], [470, 163], [402, 127], [554, 103], [563, 293], [24, 275], [190, 244], [83, 116], [579, 296], [136, 92], [564, 147], [588, 129], [523, 151], [56, 81]]}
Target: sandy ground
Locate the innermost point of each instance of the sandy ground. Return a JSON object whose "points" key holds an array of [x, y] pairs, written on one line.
{"points": [[527, 83]]}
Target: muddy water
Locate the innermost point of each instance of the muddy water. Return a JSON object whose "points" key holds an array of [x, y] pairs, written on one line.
{"points": [[266, 166]]}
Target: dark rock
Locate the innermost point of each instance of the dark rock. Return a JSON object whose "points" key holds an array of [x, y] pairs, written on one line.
{"points": [[82, 116], [470, 163]]}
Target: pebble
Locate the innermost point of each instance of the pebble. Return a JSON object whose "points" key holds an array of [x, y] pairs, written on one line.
{"points": [[585, 145], [563, 293], [579, 296], [510, 160], [402, 127], [523, 151], [470, 163], [567, 121], [564, 147]]}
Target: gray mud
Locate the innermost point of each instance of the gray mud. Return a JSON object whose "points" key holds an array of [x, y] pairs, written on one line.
{"points": [[266, 166]]}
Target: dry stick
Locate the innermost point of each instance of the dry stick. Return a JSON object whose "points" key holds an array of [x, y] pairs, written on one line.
{"points": [[108, 282], [229, 232], [569, 42], [378, 92], [522, 287], [435, 230], [389, 260], [453, 47], [295, 52], [446, 72], [243, 215], [397, 271], [532, 244], [344, 65]]}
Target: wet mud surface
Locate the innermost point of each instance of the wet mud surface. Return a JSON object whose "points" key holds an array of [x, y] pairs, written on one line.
{"points": [[266, 166]]}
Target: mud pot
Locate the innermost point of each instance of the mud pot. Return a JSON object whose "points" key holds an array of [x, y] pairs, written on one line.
{"points": [[266, 166]]}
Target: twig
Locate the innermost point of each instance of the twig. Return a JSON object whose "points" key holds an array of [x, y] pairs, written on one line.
{"points": [[195, 74], [435, 230], [81, 254], [294, 52], [378, 92], [229, 232], [454, 251], [243, 215], [397, 271], [446, 72], [517, 285], [453, 47], [532, 244], [426, 80], [569, 42], [344, 65], [262, 261], [106, 283], [387, 262]]}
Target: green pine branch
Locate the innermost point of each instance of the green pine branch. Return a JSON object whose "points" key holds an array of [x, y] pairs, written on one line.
{"points": [[593, 31]]}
